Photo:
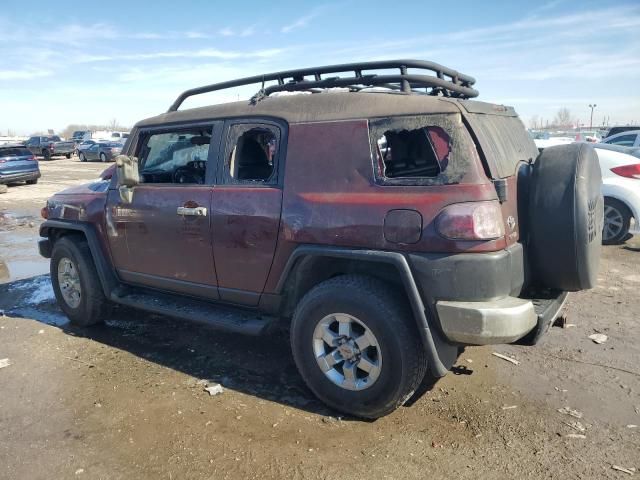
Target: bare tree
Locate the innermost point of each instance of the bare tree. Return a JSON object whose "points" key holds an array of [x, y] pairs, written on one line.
{"points": [[534, 122], [113, 125], [563, 118]]}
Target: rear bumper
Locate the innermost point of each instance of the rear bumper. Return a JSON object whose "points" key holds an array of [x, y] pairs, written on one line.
{"points": [[477, 298], [506, 320], [482, 323], [19, 176]]}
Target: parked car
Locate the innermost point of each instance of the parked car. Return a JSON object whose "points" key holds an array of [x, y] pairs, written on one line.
{"points": [[50, 146], [103, 151], [624, 139], [83, 145], [621, 189], [18, 164], [385, 229], [619, 129]]}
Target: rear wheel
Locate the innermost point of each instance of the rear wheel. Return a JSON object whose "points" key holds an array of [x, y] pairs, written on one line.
{"points": [[46, 154], [103, 158], [75, 282], [355, 344], [68, 155], [32, 182], [82, 157], [617, 220]]}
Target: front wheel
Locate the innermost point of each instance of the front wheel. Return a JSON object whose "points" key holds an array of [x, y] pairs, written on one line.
{"points": [[75, 282], [82, 157], [103, 158], [617, 221], [68, 155], [46, 154], [356, 346]]}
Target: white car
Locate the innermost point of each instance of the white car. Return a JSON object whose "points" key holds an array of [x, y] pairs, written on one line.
{"points": [[624, 139], [620, 168]]}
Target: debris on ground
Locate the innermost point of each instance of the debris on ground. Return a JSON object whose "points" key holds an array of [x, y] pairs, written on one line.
{"points": [[632, 426], [510, 407], [598, 338], [4, 362], [571, 412], [576, 426], [214, 389], [575, 435], [504, 357], [630, 471], [560, 321]]}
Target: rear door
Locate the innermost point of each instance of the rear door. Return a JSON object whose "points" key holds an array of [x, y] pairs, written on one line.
{"points": [[163, 238], [246, 207]]}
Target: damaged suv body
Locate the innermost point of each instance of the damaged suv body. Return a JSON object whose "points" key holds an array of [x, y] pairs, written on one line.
{"points": [[387, 218]]}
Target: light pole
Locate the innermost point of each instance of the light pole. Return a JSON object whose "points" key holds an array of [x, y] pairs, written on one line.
{"points": [[591, 122]]}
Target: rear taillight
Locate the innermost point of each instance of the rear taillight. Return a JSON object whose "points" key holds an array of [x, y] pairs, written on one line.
{"points": [[471, 221], [629, 171]]}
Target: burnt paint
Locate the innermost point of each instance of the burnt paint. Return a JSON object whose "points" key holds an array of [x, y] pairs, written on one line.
{"points": [[332, 198]]}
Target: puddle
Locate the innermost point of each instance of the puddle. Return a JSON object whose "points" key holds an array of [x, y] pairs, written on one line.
{"points": [[11, 270]]}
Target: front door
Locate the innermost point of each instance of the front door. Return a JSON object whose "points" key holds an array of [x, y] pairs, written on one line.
{"points": [[246, 208], [163, 238]]}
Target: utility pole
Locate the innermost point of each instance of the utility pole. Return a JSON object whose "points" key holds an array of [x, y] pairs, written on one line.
{"points": [[591, 122]]}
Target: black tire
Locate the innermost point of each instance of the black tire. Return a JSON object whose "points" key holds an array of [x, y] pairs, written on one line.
{"points": [[68, 155], [82, 157], [46, 154], [565, 217], [93, 306], [32, 182], [103, 158], [382, 309], [618, 212]]}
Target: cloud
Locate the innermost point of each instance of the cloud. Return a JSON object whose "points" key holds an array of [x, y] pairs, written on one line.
{"points": [[25, 74], [303, 21], [201, 53]]}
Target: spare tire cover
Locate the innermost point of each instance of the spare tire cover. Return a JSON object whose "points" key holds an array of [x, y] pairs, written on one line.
{"points": [[566, 211]]}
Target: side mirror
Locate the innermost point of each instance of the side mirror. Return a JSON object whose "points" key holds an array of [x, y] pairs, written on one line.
{"points": [[128, 176]]}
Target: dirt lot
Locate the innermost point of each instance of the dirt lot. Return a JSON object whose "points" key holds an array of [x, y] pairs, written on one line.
{"points": [[124, 401]]}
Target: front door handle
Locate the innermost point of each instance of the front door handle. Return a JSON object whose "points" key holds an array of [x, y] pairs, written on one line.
{"points": [[193, 211]]}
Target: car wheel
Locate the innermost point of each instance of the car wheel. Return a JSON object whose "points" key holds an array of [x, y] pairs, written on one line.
{"points": [[68, 155], [356, 346], [46, 154], [82, 157], [75, 282], [103, 158], [617, 220], [32, 182]]}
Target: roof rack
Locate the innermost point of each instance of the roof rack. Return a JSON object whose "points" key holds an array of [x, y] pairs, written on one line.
{"points": [[446, 82]]}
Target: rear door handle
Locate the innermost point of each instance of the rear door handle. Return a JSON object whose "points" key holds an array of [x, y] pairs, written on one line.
{"points": [[195, 211]]}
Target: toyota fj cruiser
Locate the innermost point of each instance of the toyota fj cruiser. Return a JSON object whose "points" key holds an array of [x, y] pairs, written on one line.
{"points": [[385, 216]]}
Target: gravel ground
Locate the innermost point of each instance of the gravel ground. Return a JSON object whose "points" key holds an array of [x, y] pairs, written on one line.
{"points": [[127, 400]]}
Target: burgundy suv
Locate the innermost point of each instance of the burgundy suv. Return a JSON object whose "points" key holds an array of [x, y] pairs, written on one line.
{"points": [[383, 215]]}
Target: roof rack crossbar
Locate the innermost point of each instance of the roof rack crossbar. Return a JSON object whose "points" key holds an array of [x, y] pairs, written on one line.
{"points": [[446, 81]]}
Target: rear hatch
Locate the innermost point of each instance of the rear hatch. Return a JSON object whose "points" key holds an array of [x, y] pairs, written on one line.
{"points": [[506, 150], [16, 160]]}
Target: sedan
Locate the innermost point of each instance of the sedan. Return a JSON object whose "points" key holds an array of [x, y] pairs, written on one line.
{"points": [[103, 151], [620, 168], [624, 139], [18, 164]]}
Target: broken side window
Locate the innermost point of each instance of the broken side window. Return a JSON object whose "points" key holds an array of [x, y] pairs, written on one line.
{"points": [[251, 153], [423, 152], [419, 149]]}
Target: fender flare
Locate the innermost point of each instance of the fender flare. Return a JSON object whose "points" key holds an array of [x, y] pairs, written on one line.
{"points": [[106, 274], [440, 354]]}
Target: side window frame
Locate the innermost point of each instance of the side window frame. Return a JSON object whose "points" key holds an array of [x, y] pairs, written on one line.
{"points": [[137, 140], [224, 178]]}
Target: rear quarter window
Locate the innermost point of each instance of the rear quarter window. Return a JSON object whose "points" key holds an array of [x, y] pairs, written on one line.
{"points": [[421, 150]]}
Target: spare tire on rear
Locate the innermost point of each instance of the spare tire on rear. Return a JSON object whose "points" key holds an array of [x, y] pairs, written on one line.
{"points": [[565, 217]]}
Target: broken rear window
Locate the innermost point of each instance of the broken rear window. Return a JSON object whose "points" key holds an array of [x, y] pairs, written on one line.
{"points": [[420, 149]]}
